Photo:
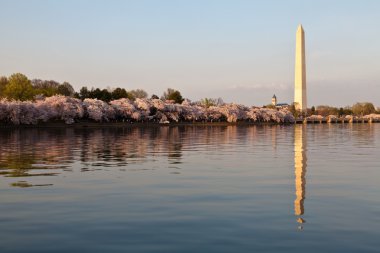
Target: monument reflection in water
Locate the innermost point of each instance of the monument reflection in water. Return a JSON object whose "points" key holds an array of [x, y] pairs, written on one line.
{"points": [[300, 163]]}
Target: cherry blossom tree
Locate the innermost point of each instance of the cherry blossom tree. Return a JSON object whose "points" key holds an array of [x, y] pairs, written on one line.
{"points": [[124, 108], [98, 110], [71, 109], [60, 108]]}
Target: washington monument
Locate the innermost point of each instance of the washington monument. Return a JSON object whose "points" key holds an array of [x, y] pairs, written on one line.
{"points": [[300, 71]]}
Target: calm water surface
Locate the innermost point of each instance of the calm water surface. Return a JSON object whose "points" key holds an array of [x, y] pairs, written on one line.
{"points": [[312, 188]]}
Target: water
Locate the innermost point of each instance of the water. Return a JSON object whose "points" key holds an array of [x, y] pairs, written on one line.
{"points": [[311, 188]]}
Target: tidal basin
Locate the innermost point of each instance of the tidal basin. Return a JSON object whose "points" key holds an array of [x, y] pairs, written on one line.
{"points": [[280, 188]]}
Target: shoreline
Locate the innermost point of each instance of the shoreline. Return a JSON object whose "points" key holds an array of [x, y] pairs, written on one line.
{"points": [[90, 124]]}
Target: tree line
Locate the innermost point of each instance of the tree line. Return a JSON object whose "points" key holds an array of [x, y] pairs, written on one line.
{"points": [[19, 87], [359, 108]]}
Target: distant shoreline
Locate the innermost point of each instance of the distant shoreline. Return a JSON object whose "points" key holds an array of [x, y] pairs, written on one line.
{"points": [[90, 124]]}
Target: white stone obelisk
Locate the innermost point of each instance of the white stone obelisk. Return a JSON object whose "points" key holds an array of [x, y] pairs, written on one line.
{"points": [[300, 71]]}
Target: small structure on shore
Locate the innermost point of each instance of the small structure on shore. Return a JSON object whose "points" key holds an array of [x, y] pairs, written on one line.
{"points": [[282, 105], [279, 105], [274, 100]]}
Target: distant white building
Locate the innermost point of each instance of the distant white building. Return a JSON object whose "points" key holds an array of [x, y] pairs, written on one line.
{"points": [[282, 105], [278, 105], [274, 100]]}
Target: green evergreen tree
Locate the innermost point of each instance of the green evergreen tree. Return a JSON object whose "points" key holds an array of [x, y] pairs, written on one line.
{"points": [[119, 93], [172, 94]]}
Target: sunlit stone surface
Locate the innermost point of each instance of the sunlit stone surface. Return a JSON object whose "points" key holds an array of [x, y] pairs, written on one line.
{"points": [[300, 71]]}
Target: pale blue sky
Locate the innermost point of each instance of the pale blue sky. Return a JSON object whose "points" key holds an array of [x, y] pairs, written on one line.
{"points": [[242, 51]]}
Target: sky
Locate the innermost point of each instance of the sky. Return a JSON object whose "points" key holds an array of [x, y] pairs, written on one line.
{"points": [[241, 51]]}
